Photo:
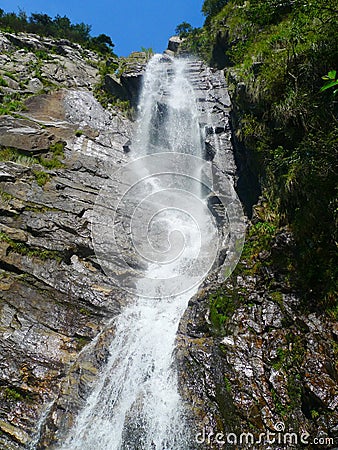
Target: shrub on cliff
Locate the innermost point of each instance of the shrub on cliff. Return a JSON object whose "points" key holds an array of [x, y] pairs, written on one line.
{"points": [[277, 52]]}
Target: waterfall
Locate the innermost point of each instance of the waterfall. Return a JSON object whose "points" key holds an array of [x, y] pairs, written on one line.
{"points": [[135, 403]]}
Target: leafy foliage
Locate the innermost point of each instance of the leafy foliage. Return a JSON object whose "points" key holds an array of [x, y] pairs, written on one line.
{"points": [[10, 103], [183, 29], [277, 52], [149, 52], [331, 81], [212, 7]]}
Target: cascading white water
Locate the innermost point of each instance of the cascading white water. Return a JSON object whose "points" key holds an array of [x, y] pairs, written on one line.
{"points": [[168, 115], [135, 403]]}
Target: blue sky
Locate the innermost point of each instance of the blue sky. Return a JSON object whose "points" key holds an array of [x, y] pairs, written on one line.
{"points": [[132, 24]]}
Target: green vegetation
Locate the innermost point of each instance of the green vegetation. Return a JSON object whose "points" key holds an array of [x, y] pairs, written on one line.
{"points": [[42, 55], [41, 177], [81, 341], [183, 29], [314, 414], [116, 67], [280, 360], [59, 27], [221, 308], [50, 160], [85, 311], [123, 105], [14, 394], [285, 116], [289, 359], [5, 196], [108, 100], [259, 238], [26, 250], [3, 82], [280, 61], [58, 149], [227, 384], [331, 81], [10, 75], [256, 257], [37, 208], [211, 7], [149, 52], [10, 103]]}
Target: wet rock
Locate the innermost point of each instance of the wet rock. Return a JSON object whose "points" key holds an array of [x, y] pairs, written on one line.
{"points": [[270, 364], [18, 435], [210, 151], [131, 78], [126, 146], [132, 83], [56, 304]]}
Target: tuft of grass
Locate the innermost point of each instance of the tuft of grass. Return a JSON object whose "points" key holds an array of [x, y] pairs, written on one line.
{"points": [[41, 177], [26, 250], [58, 149], [8, 108], [81, 341], [314, 414], [227, 384], [50, 163], [11, 103], [50, 160], [42, 55], [3, 82], [11, 75], [222, 306], [13, 394]]}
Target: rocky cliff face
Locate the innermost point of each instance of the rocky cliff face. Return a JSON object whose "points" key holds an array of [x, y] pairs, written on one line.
{"points": [[57, 151], [270, 367], [267, 360], [55, 301], [254, 357]]}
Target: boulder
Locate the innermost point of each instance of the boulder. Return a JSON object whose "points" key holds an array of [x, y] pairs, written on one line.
{"points": [[115, 88], [131, 81], [35, 85], [174, 43]]}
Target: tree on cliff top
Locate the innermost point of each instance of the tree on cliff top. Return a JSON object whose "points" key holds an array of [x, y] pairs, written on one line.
{"points": [[212, 7], [59, 27]]}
